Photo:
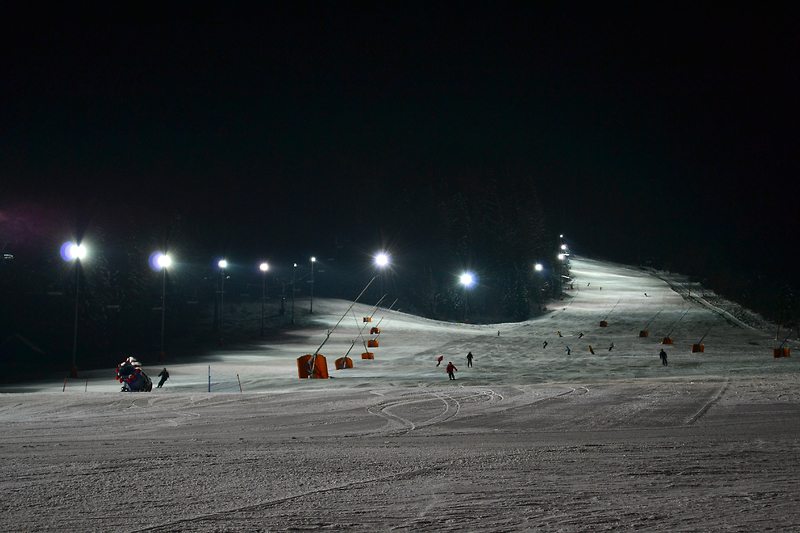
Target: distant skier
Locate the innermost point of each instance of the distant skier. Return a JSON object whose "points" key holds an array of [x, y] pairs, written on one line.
{"points": [[559, 334], [645, 295], [450, 369], [544, 345], [469, 359], [663, 356], [591, 349], [439, 361], [568, 350], [164, 375], [611, 347], [580, 335]]}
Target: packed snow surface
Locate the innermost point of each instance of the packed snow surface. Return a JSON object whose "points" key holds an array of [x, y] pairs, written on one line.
{"points": [[530, 438]]}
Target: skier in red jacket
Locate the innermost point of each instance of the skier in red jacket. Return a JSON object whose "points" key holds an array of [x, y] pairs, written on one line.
{"points": [[450, 369]]}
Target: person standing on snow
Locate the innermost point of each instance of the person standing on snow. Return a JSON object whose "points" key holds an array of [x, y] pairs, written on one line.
{"points": [[663, 356], [164, 375], [469, 359], [450, 369]]}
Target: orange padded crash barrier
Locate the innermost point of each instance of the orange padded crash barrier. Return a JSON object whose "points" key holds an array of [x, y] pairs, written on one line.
{"points": [[780, 352], [344, 362], [372, 344], [374, 331], [319, 370], [603, 324], [697, 348], [367, 319], [667, 340], [367, 355], [643, 333]]}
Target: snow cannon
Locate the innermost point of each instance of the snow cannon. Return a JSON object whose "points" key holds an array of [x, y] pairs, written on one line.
{"points": [[129, 373]]}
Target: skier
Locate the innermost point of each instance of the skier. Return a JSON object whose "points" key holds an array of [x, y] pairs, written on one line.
{"points": [[559, 334], [663, 356], [439, 361], [450, 369], [581, 335], [544, 345], [568, 350], [164, 375], [591, 349], [469, 359], [611, 347]]}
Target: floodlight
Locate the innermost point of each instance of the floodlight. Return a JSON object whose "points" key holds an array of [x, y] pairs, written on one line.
{"points": [[70, 251], [467, 279], [222, 263], [381, 259], [538, 267], [264, 267]]}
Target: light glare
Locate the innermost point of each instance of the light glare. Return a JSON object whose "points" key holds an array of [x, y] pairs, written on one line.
{"points": [[467, 279], [382, 260], [264, 267], [223, 264]]}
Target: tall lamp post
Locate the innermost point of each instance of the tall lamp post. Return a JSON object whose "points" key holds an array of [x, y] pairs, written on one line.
{"points": [[294, 272], [311, 310], [222, 266], [467, 280], [161, 261], [264, 267], [70, 251]]}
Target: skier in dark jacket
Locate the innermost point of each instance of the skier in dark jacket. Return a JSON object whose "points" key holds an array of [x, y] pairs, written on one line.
{"points": [[663, 356], [164, 375]]}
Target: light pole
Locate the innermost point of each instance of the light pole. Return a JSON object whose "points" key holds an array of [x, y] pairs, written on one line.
{"points": [[70, 251], [222, 266], [381, 260], [162, 261], [294, 272], [313, 260], [264, 267], [467, 279]]}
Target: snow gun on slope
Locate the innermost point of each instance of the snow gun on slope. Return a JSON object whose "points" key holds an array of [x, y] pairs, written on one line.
{"points": [[129, 373]]}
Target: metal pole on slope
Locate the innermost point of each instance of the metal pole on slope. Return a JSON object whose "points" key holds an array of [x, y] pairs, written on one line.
{"points": [[678, 322], [651, 320], [328, 336]]}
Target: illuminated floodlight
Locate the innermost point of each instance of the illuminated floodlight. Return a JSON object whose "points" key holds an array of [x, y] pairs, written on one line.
{"points": [[538, 267], [563, 246], [467, 279], [313, 259], [561, 257], [222, 263], [381, 259], [264, 267], [70, 251], [158, 261]]}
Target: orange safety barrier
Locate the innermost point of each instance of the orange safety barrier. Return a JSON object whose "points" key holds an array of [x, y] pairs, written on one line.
{"points": [[367, 355], [374, 331], [697, 348], [667, 340], [372, 344], [603, 324], [367, 319], [344, 362], [319, 370], [780, 352], [643, 333]]}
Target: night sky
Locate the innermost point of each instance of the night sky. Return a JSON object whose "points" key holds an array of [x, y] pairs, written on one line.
{"points": [[647, 130]]}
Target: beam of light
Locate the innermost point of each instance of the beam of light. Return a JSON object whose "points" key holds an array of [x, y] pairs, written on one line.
{"points": [[381, 260], [467, 279], [264, 267], [158, 261], [70, 251]]}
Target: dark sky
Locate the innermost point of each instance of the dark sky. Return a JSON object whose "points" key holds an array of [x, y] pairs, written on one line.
{"points": [[639, 124]]}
